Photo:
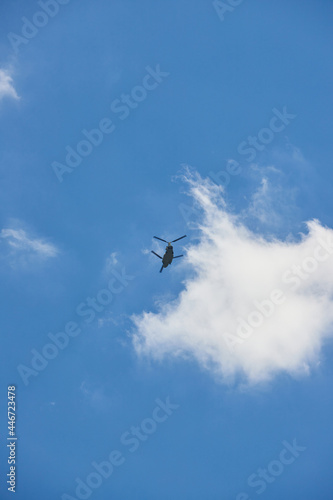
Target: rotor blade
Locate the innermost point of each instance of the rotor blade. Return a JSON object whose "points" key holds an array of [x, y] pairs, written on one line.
{"points": [[161, 269], [160, 239], [176, 257], [179, 238], [156, 254]]}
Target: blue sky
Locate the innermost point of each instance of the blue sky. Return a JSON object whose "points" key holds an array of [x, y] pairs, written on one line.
{"points": [[209, 85]]}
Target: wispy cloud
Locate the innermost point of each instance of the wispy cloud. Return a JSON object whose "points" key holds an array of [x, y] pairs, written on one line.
{"points": [[19, 243], [272, 204], [6, 85], [111, 261], [254, 306]]}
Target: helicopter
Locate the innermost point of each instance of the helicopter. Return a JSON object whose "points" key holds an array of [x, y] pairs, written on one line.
{"points": [[168, 256]]}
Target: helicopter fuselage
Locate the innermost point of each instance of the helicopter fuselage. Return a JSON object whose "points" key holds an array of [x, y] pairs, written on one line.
{"points": [[168, 256]]}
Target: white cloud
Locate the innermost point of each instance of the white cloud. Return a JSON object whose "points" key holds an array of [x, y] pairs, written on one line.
{"points": [[241, 278], [6, 85], [20, 242]]}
